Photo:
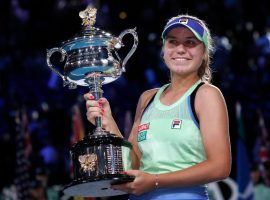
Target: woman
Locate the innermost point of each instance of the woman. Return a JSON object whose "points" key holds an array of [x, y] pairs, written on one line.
{"points": [[180, 134]]}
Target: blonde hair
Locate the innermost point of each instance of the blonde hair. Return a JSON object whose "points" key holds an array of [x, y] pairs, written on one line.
{"points": [[204, 72]]}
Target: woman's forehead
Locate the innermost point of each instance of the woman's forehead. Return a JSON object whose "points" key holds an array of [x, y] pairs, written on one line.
{"points": [[180, 32]]}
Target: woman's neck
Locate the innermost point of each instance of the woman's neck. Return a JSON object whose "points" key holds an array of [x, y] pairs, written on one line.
{"points": [[180, 83], [176, 89]]}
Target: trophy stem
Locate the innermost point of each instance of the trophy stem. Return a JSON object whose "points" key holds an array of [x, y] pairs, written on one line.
{"points": [[94, 82]]}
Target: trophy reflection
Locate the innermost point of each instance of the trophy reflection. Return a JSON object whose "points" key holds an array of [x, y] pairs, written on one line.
{"points": [[91, 59]]}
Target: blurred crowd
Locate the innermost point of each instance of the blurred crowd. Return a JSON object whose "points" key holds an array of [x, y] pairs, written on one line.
{"points": [[241, 66]]}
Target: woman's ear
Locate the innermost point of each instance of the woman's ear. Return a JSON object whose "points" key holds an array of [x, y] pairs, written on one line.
{"points": [[205, 56]]}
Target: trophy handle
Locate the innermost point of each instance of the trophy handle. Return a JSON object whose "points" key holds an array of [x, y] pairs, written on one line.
{"points": [[63, 55], [134, 47]]}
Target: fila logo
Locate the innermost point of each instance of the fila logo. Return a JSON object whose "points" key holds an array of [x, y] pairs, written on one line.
{"points": [[183, 20], [176, 124], [143, 127]]}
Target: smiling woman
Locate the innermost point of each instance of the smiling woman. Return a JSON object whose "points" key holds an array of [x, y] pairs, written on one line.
{"points": [[199, 34], [183, 52], [176, 150]]}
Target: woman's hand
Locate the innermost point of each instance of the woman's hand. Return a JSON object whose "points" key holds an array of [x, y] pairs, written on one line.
{"points": [[97, 108], [142, 183], [100, 108]]}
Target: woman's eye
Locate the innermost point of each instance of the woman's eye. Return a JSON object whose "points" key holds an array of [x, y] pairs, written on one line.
{"points": [[172, 41], [190, 43]]}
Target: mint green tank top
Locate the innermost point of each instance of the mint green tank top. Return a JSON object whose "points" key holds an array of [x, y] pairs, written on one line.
{"points": [[169, 138]]}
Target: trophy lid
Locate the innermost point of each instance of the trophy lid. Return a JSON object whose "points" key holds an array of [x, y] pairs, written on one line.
{"points": [[89, 35]]}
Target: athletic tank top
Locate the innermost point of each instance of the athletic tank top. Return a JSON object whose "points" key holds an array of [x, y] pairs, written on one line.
{"points": [[169, 137]]}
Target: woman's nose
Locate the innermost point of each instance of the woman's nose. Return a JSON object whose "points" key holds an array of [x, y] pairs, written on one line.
{"points": [[181, 48]]}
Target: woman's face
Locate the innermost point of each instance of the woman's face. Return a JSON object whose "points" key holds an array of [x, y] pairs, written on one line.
{"points": [[183, 52]]}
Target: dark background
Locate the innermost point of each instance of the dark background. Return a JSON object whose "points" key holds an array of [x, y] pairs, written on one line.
{"points": [[241, 66]]}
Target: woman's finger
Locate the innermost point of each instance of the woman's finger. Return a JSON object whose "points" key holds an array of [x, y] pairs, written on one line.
{"points": [[94, 109], [132, 172], [88, 96], [94, 112], [91, 103], [91, 115]]}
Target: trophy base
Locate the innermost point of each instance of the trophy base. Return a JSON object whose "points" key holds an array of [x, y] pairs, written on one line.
{"points": [[97, 187]]}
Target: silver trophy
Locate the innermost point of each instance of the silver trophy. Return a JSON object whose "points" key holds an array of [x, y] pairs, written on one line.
{"points": [[91, 59]]}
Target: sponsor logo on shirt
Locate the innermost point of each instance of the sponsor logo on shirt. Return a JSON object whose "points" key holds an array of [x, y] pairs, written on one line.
{"points": [[142, 136], [176, 124], [143, 127]]}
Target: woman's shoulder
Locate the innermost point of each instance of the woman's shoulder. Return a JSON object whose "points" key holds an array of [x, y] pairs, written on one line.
{"points": [[143, 101], [209, 92], [208, 88], [146, 96], [149, 93]]}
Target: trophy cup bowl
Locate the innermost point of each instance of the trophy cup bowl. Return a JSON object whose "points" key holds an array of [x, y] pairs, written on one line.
{"points": [[91, 59]]}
